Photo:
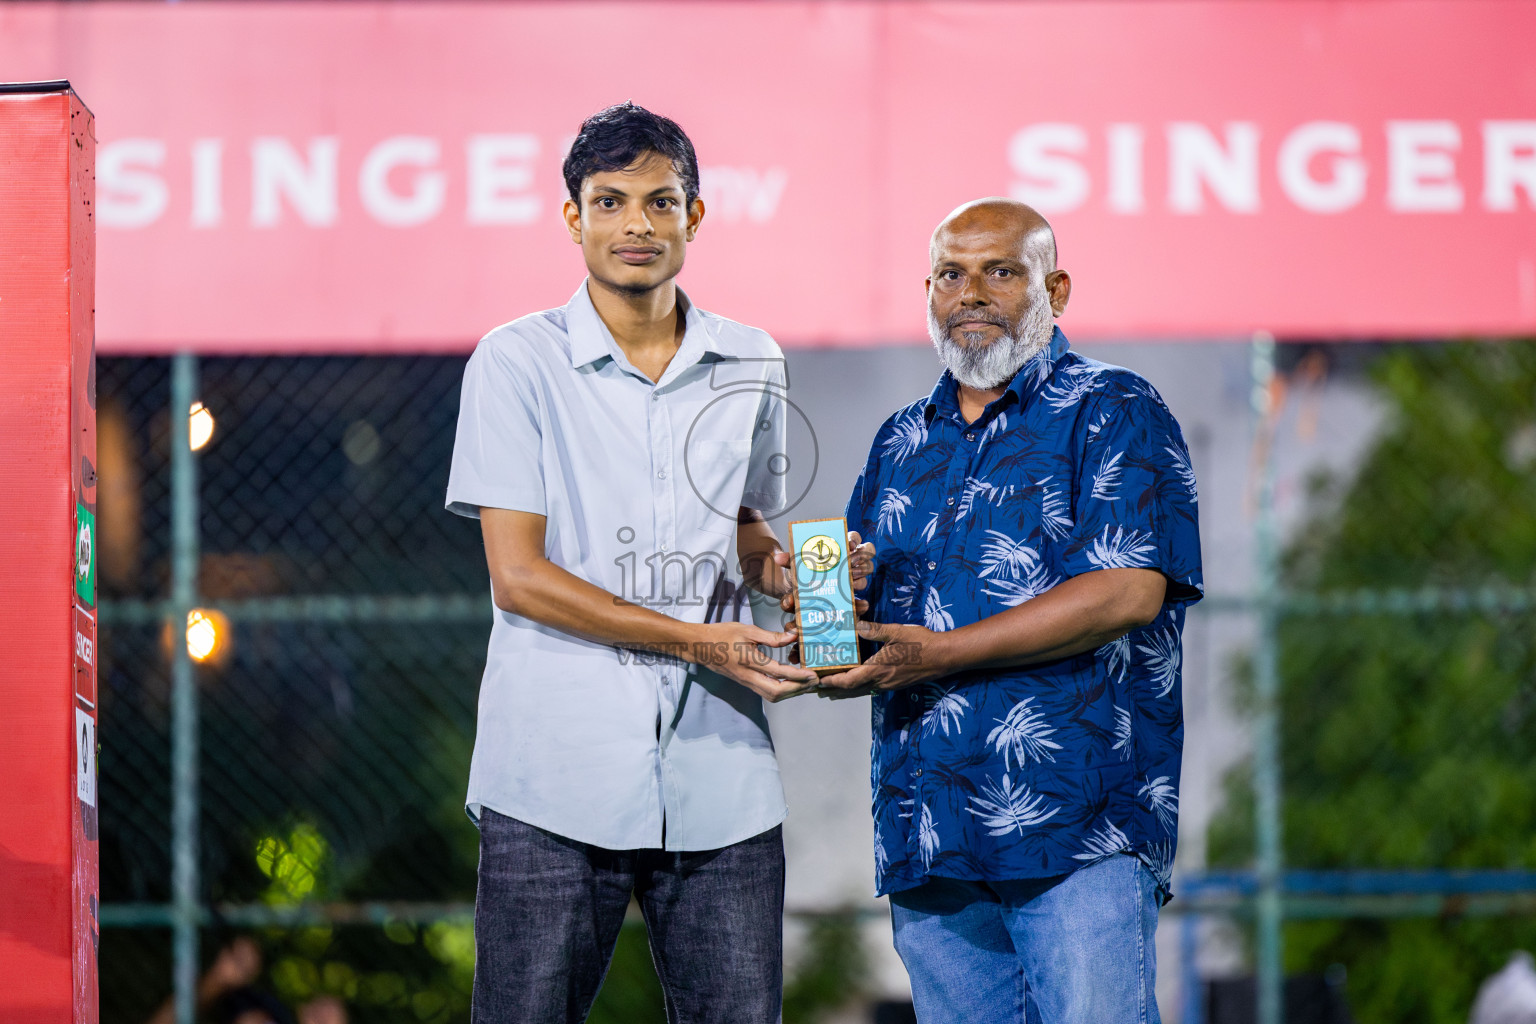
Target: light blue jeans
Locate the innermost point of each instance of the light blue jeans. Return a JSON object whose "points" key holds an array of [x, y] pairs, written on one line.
{"points": [[1073, 950]]}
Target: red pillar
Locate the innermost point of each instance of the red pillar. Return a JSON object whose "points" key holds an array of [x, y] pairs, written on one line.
{"points": [[48, 792]]}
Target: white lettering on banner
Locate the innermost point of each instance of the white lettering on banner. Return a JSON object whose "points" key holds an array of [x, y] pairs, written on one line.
{"points": [[129, 192], [308, 182], [207, 183], [1321, 167], [1421, 166], [1048, 178], [1509, 162], [1345, 185], [737, 194], [428, 188], [85, 650], [500, 179], [1229, 169], [1125, 168]]}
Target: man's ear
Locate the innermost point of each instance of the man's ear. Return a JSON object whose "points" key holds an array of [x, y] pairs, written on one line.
{"points": [[695, 215], [928, 285], [1058, 285], [572, 214]]}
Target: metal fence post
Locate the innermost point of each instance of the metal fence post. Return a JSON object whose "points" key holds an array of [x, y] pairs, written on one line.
{"points": [[1266, 745], [184, 724], [1193, 1010]]}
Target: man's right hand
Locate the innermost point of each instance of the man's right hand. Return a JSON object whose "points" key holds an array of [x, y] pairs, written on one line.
{"points": [[735, 650], [524, 582], [861, 563]]}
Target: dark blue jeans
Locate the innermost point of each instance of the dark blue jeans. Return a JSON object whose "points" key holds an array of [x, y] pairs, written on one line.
{"points": [[548, 912]]}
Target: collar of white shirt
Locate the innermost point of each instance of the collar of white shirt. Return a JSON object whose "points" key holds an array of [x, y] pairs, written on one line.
{"points": [[591, 340]]}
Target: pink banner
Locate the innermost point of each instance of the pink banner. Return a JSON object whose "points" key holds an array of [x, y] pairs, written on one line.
{"points": [[385, 177]]}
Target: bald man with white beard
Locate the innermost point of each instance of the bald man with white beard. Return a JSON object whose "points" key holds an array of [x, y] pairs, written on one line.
{"points": [[1034, 521]]}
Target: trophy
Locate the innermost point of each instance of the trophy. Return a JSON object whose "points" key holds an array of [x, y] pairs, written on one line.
{"points": [[824, 594]]}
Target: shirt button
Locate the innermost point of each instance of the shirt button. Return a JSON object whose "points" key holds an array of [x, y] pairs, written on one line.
{"points": [[661, 474], [933, 565], [918, 772], [655, 396], [970, 436], [949, 501]]}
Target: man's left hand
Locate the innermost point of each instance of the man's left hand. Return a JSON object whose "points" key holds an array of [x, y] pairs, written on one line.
{"points": [[911, 655]]}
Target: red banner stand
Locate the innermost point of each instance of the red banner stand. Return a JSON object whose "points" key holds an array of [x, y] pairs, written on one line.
{"points": [[48, 714]]}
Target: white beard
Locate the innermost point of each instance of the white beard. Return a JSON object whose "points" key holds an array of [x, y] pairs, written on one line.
{"points": [[991, 365]]}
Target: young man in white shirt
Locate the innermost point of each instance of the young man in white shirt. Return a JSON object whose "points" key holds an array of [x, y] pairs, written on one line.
{"points": [[619, 452]]}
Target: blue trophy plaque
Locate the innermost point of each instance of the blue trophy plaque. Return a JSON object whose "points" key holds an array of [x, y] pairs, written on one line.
{"points": [[824, 594]]}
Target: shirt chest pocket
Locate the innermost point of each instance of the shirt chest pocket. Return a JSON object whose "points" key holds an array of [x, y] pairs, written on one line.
{"points": [[717, 475]]}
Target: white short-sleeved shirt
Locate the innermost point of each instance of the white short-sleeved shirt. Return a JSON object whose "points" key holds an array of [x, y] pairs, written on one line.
{"points": [[640, 484]]}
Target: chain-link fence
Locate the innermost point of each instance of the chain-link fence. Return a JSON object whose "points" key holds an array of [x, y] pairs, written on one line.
{"points": [[1393, 684], [334, 718], [1381, 661]]}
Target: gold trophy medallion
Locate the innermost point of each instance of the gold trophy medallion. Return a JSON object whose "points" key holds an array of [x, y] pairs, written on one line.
{"points": [[821, 553]]}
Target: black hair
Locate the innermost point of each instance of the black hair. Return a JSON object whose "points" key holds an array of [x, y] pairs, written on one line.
{"points": [[615, 138]]}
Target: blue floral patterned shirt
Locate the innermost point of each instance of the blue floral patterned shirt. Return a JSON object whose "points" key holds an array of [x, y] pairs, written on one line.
{"points": [[1029, 772]]}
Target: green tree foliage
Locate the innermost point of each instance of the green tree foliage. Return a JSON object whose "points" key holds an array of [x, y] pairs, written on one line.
{"points": [[833, 969], [1409, 742]]}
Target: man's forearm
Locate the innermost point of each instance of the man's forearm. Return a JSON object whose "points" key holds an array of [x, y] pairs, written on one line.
{"points": [[554, 597], [1080, 614], [756, 544]]}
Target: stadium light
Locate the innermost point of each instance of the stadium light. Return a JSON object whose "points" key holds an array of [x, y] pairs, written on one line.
{"points": [[200, 423], [207, 634]]}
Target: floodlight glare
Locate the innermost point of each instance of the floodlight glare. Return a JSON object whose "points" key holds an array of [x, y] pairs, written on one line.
{"points": [[200, 424]]}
